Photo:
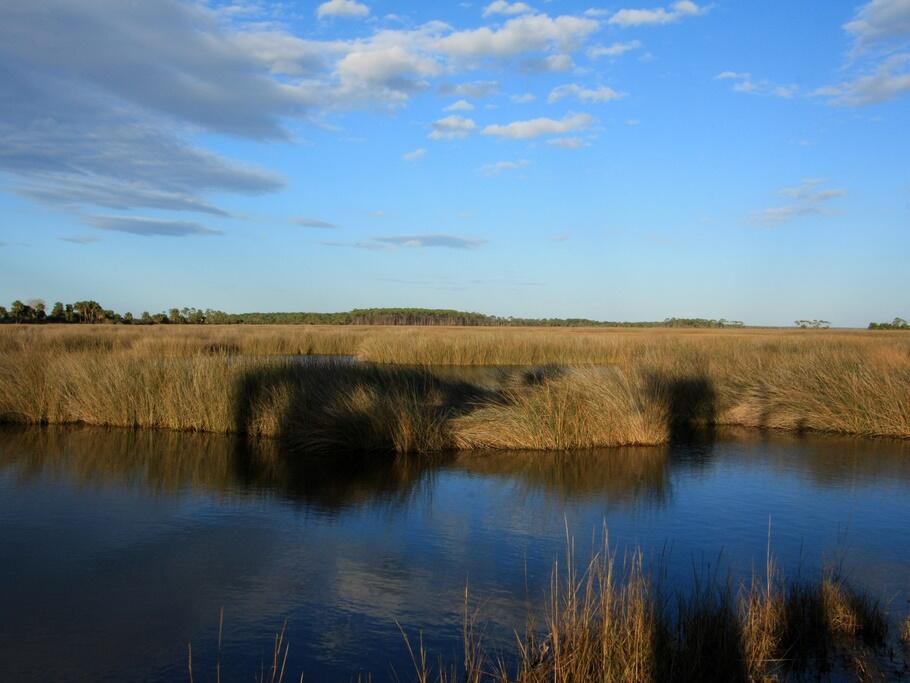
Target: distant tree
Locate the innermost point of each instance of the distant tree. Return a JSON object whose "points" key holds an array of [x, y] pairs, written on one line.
{"points": [[128, 318], [57, 314], [173, 316], [4, 314], [89, 311], [68, 313], [18, 311], [146, 318]]}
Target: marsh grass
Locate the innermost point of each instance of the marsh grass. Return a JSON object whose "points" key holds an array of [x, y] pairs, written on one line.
{"points": [[612, 622], [609, 387]]}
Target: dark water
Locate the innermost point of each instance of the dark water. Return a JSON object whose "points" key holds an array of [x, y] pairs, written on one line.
{"points": [[117, 548]]}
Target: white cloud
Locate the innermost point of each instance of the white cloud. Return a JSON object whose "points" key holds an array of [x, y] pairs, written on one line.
{"points": [[452, 127], [523, 130], [392, 67], [460, 105], [596, 12], [879, 20], [614, 50], [509, 8], [568, 143], [524, 98], [500, 166], [342, 8], [744, 83], [416, 155], [809, 199], [599, 94], [889, 80], [475, 89], [529, 33], [660, 15]]}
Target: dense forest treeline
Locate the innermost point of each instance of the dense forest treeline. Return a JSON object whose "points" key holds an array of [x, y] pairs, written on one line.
{"points": [[91, 312]]}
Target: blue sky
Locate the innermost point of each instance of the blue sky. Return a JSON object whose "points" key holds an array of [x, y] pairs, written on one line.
{"points": [[625, 160]]}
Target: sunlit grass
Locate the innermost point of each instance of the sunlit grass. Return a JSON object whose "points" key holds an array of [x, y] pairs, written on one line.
{"points": [[601, 388]]}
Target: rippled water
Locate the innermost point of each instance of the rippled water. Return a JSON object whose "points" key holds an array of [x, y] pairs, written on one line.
{"points": [[117, 548]]}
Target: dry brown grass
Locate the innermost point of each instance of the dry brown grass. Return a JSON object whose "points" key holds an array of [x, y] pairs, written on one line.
{"points": [[612, 624], [611, 387]]}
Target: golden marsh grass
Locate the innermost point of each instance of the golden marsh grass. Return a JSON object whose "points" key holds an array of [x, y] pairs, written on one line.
{"points": [[557, 389]]}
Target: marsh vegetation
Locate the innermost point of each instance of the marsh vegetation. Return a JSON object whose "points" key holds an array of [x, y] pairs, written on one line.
{"points": [[554, 389]]}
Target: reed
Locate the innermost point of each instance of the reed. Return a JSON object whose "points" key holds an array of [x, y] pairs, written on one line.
{"points": [[613, 623], [609, 387]]}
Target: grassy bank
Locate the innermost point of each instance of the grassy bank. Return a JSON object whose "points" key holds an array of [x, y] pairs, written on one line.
{"points": [[612, 622], [600, 388]]}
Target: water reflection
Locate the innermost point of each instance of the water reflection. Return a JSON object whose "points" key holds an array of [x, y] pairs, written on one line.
{"points": [[117, 547]]}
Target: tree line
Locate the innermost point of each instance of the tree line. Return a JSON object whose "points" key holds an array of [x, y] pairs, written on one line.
{"points": [[896, 324], [91, 312]]}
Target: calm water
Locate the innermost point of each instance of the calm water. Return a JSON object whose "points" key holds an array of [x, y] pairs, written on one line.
{"points": [[118, 548]]}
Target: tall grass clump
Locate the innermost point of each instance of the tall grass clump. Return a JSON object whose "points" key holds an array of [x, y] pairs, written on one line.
{"points": [[552, 409]]}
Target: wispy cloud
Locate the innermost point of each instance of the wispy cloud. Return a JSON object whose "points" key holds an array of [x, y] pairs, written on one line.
{"points": [[660, 15], [879, 21], [80, 239], [475, 89], [415, 155], [150, 227], [532, 128], [568, 143], [810, 198], [614, 50], [599, 94], [315, 223], [434, 240], [888, 80], [500, 166], [744, 83]]}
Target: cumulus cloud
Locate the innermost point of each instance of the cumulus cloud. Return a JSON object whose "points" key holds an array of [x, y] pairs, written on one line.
{"points": [[342, 8], [415, 155], [452, 127], [599, 94], [503, 7], [532, 128], [460, 105], [500, 166], [888, 80], [434, 240], [809, 198], [523, 98], [150, 227], [529, 33], [614, 50], [744, 83], [660, 15], [314, 223]]}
